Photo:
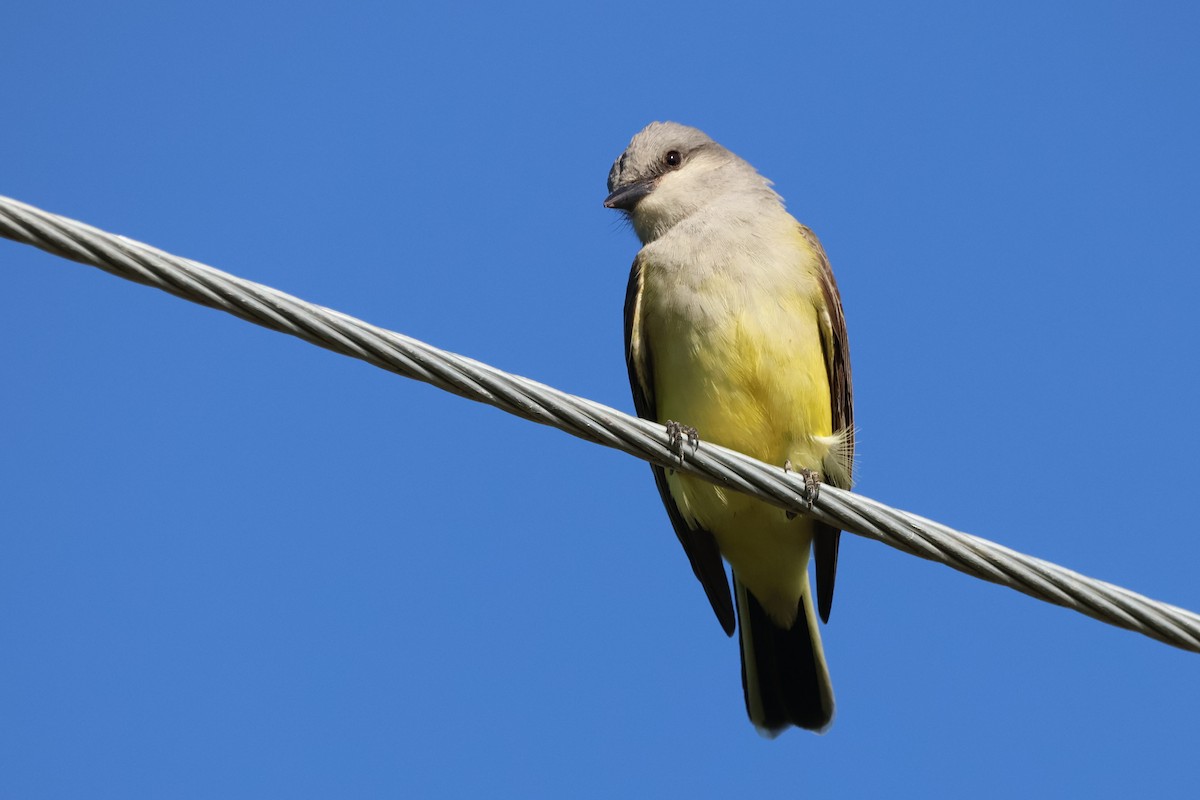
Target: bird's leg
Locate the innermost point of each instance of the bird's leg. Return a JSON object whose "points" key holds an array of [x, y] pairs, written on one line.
{"points": [[679, 436], [812, 485]]}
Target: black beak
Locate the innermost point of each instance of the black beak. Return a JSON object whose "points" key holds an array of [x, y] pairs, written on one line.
{"points": [[626, 197]]}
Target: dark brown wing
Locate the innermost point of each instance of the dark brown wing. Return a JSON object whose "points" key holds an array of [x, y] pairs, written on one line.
{"points": [[841, 397], [699, 544]]}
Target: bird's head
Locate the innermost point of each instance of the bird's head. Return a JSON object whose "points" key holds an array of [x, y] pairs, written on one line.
{"points": [[669, 171]]}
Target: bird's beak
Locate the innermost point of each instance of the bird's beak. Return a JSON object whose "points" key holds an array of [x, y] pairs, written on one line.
{"points": [[626, 197]]}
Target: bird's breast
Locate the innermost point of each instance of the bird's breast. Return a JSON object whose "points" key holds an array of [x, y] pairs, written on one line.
{"points": [[737, 354]]}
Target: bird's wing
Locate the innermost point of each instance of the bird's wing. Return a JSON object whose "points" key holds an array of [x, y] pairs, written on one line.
{"points": [[699, 544], [841, 399]]}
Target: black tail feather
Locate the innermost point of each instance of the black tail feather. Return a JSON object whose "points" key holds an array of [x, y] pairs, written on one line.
{"points": [[784, 676]]}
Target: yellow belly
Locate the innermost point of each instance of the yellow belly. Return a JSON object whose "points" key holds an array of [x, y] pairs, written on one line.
{"points": [[754, 381]]}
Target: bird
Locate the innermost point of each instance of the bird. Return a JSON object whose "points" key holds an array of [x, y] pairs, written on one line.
{"points": [[735, 335]]}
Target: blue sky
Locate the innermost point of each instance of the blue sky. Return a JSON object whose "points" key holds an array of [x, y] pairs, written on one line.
{"points": [[235, 565]]}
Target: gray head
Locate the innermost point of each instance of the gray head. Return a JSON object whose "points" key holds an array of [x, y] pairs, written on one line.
{"points": [[670, 171]]}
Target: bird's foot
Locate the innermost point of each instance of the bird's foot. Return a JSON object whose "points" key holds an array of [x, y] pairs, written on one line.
{"points": [[812, 486], [680, 437]]}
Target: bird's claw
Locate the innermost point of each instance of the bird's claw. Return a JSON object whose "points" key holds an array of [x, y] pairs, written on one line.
{"points": [[812, 486], [680, 436]]}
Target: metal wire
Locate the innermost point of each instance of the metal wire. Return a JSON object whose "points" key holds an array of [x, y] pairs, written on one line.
{"points": [[463, 376]]}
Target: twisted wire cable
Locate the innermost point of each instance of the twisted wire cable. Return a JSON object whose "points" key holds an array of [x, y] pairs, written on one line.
{"points": [[594, 422]]}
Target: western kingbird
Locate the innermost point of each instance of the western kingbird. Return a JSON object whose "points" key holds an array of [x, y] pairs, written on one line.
{"points": [[734, 330]]}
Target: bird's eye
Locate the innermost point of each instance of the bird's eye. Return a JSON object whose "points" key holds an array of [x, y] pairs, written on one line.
{"points": [[673, 159]]}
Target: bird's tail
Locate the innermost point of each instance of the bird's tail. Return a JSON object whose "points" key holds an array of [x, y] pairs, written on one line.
{"points": [[784, 675]]}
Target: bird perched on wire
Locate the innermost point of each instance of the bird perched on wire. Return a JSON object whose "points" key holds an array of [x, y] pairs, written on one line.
{"points": [[734, 333]]}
